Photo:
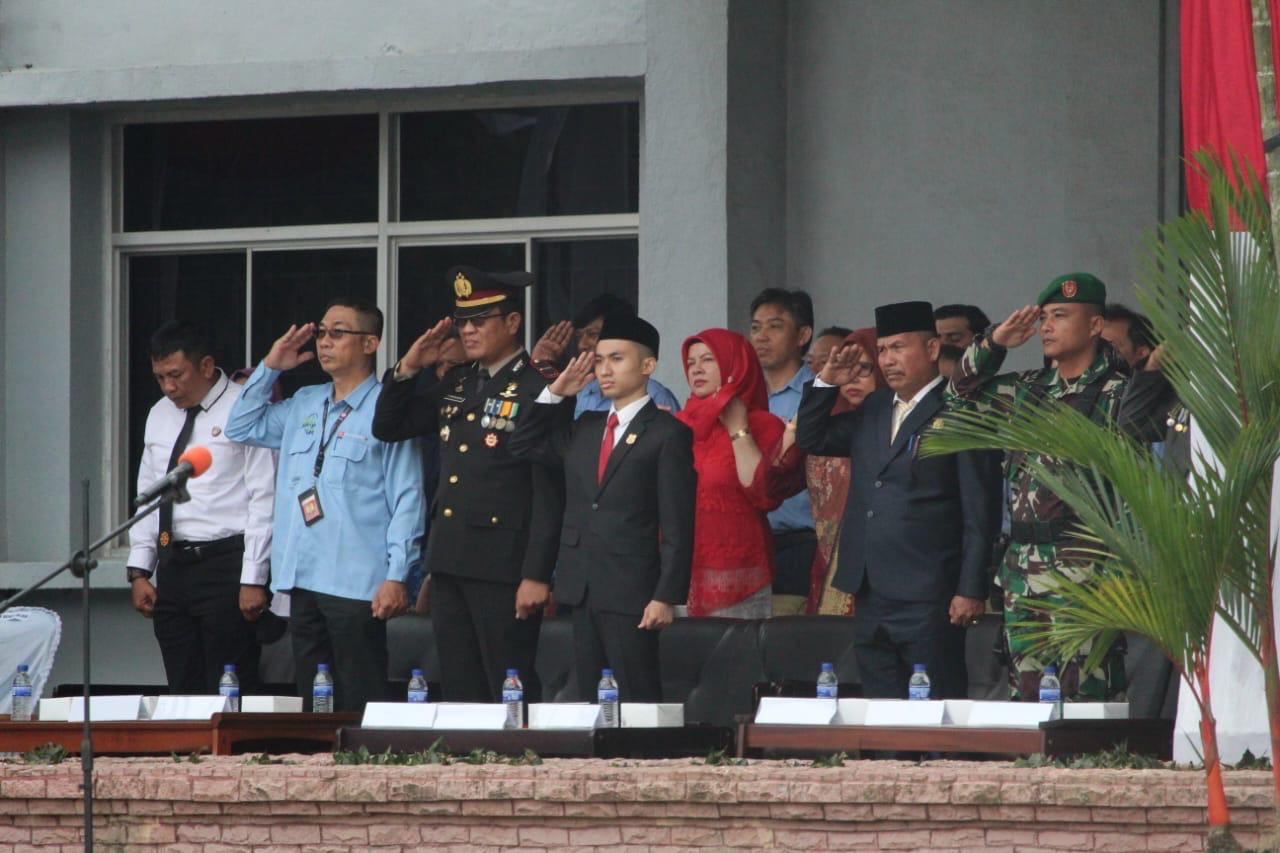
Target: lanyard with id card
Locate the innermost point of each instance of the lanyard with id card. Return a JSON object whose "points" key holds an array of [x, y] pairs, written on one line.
{"points": [[309, 501]]}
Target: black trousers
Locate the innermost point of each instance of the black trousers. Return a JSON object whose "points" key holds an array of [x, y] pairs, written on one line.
{"points": [[478, 638], [342, 633], [603, 639], [793, 552], [199, 627], [891, 636]]}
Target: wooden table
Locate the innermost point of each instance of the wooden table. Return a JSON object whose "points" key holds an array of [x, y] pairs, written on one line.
{"points": [[223, 734], [681, 742], [1053, 738]]}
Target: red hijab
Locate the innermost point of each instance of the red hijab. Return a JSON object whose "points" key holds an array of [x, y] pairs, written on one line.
{"points": [[740, 376]]}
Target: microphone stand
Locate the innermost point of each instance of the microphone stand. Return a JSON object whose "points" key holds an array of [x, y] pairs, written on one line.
{"points": [[80, 564]]}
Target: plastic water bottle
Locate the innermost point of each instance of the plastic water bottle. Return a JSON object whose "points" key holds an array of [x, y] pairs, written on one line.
{"points": [[607, 697], [322, 691], [513, 698], [1050, 687], [417, 687], [918, 686], [229, 686], [828, 685], [23, 701]]}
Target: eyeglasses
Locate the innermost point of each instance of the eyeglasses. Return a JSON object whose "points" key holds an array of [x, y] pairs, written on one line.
{"points": [[338, 334], [476, 321], [863, 369]]}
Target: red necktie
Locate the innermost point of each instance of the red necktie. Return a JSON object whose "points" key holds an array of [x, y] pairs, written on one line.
{"points": [[606, 446]]}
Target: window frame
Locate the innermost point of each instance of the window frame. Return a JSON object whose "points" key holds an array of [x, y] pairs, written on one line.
{"points": [[386, 236]]}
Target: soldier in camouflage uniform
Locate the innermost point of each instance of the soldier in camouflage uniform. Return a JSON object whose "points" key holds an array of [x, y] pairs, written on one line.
{"points": [[1090, 377]]}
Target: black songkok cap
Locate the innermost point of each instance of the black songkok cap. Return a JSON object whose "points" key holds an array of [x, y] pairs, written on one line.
{"points": [[903, 317], [619, 327]]}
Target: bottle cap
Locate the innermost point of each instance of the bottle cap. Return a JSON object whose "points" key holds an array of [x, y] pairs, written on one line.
{"points": [[918, 667], [417, 673], [324, 667], [228, 667], [1050, 670], [513, 673], [606, 672], [826, 667], [22, 667]]}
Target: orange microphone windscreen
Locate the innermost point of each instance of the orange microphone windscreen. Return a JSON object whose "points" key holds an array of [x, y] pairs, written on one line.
{"points": [[200, 459]]}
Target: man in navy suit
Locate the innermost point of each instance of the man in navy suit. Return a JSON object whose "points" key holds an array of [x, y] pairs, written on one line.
{"points": [[626, 543], [917, 532]]}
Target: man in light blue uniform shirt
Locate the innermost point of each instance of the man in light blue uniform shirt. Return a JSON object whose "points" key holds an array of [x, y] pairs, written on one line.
{"points": [[781, 331], [349, 515]]}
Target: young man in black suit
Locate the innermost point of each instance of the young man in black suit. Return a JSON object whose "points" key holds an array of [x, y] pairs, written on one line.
{"points": [[627, 537], [917, 532]]}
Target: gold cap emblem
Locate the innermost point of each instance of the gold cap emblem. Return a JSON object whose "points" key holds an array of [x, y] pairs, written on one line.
{"points": [[462, 286], [1070, 289]]}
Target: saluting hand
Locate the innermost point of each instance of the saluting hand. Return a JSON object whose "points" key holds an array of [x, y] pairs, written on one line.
{"points": [[426, 349], [1019, 328], [576, 376], [553, 342], [841, 365], [285, 353]]}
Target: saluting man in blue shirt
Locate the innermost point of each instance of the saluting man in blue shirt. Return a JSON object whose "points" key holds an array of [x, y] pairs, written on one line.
{"points": [[348, 520]]}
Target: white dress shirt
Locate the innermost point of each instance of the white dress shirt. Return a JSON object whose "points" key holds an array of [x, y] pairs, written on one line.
{"points": [[902, 408], [625, 415], [236, 495]]}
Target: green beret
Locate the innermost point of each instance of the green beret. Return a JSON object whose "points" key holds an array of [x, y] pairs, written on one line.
{"points": [[1077, 287]]}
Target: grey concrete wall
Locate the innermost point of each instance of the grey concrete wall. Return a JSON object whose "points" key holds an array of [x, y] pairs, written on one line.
{"points": [[757, 152], [968, 150], [684, 255], [69, 51]]}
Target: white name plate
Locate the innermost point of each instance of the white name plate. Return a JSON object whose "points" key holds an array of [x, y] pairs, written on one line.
{"points": [[106, 709], [1095, 710], [398, 715], [470, 715], [271, 704], [903, 712], [1020, 715], [188, 707], [785, 711], [563, 715], [652, 715], [55, 710]]}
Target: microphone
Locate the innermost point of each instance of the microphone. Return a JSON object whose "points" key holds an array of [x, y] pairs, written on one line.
{"points": [[192, 463]]}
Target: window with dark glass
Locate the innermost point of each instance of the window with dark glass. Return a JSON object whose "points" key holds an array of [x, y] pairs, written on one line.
{"points": [[250, 173], [571, 272], [534, 161], [206, 288], [294, 287]]}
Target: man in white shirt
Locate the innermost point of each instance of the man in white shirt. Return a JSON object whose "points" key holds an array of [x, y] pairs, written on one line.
{"points": [[200, 569]]}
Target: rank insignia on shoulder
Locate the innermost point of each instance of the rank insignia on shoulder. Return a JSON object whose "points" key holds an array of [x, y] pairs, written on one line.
{"points": [[631, 439], [491, 440]]}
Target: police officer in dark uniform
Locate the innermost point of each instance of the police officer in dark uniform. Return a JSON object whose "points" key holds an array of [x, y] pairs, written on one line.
{"points": [[494, 520]]}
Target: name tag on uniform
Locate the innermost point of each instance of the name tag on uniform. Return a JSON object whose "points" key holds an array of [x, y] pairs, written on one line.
{"points": [[309, 501]]}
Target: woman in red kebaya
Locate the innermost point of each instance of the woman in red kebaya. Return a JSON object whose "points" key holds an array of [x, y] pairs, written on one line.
{"points": [[733, 436]]}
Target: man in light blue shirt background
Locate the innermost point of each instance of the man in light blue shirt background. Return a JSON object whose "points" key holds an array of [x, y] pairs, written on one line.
{"points": [[586, 326], [349, 516], [781, 331]]}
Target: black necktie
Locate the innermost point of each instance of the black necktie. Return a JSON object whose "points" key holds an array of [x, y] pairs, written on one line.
{"points": [[482, 376], [166, 509]]}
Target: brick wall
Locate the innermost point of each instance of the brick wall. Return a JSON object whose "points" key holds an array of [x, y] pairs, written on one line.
{"points": [[224, 804]]}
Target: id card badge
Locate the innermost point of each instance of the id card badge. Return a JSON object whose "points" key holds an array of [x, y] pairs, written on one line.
{"points": [[309, 501]]}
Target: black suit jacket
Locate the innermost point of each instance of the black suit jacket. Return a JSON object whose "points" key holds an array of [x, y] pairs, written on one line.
{"points": [[915, 528], [629, 539], [491, 517]]}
